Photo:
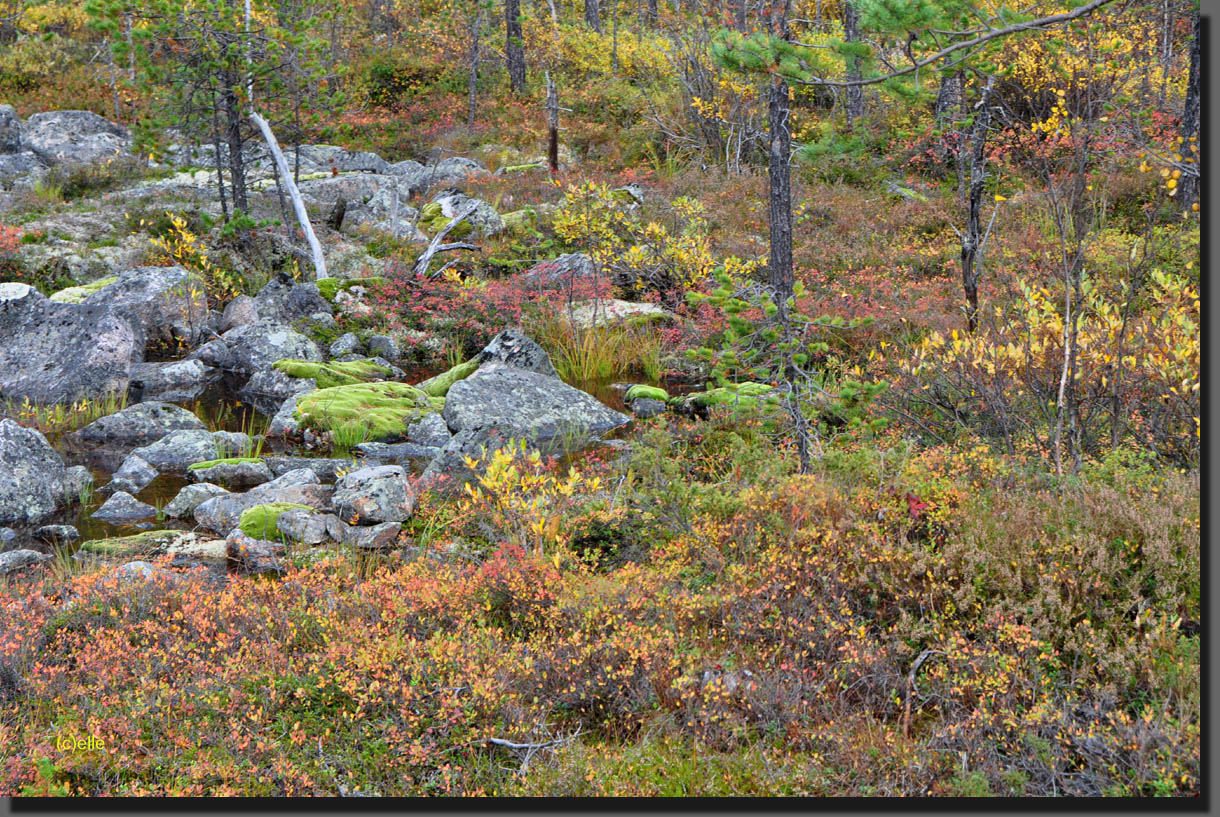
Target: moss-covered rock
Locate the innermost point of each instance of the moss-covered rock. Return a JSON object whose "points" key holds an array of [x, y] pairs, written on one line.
{"points": [[148, 543], [643, 392], [379, 410], [75, 295], [330, 287], [334, 373], [199, 466], [744, 393], [438, 385], [260, 521]]}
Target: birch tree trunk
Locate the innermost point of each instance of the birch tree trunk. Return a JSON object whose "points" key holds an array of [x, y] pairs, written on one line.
{"points": [[298, 205]]}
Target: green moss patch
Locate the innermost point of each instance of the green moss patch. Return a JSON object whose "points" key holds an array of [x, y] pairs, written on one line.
{"points": [[330, 287], [260, 521], [74, 295], [745, 393], [438, 386], [141, 544], [376, 410], [334, 373], [199, 466], [642, 392]]}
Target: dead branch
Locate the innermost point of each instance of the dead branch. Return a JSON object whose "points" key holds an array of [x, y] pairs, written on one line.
{"points": [[425, 260]]}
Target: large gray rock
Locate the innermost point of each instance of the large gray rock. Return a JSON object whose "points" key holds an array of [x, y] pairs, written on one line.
{"points": [[512, 348], [238, 312], [254, 555], [448, 471], [15, 560], [375, 494], [74, 138], [284, 300], [306, 527], [222, 513], [32, 476], [234, 474], [397, 452], [14, 166], [294, 476], [174, 452], [526, 405], [372, 537], [124, 509], [384, 346], [57, 353], [57, 534], [563, 271], [190, 498], [346, 344], [169, 303], [142, 423], [256, 346], [10, 130], [131, 477], [77, 481], [326, 470], [284, 422], [430, 430], [169, 381]]}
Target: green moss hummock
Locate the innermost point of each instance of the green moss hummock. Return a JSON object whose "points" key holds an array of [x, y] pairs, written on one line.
{"points": [[745, 393], [334, 373], [438, 385], [259, 522], [432, 220], [380, 410], [199, 466], [643, 392], [148, 543]]}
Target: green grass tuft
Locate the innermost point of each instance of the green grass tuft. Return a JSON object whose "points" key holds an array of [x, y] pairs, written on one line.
{"points": [[260, 521]]}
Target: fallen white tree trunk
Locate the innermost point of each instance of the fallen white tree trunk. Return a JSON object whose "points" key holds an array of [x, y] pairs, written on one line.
{"points": [[298, 205]]}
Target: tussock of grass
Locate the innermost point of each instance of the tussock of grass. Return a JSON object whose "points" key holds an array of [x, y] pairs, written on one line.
{"points": [[384, 409]]}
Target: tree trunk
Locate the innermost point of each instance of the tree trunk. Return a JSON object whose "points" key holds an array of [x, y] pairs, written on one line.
{"points": [[854, 103], [1188, 185], [514, 53], [742, 7], [472, 84], [237, 168], [593, 15], [298, 205], [653, 12], [552, 121], [780, 191], [971, 237], [947, 98]]}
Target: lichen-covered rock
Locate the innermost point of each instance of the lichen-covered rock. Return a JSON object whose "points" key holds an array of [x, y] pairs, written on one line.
{"points": [[77, 482], [169, 303], [142, 423], [375, 494], [252, 555], [431, 431], [384, 346], [283, 422], [396, 452], [284, 300], [513, 348], [58, 353], [191, 497], [645, 407], [324, 469], [32, 476], [345, 345], [235, 473], [176, 451], [613, 312], [74, 138], [10, 130], [238, 312], [14, 560], [526, 405], [306, 526], [124, 509], [373, 537], [300, 476], [170, 381], [132, 476], [267, 389], [57, 534], [221, 513], [565, 270], [256, 346]]}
